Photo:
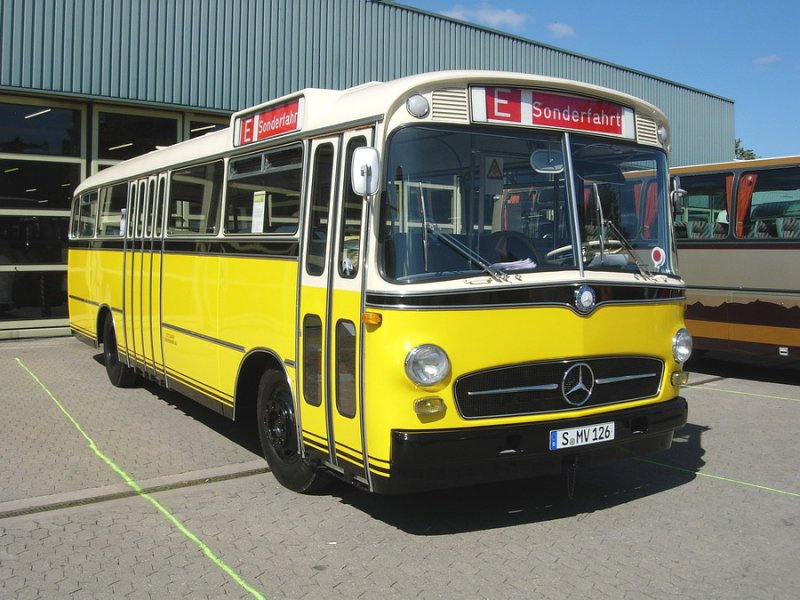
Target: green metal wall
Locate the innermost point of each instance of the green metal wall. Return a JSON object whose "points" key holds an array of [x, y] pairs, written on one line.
{"points": [[229, 54]]}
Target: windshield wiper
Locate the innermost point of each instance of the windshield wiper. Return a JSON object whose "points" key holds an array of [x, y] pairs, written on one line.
{"points": [[453, 243], [467, 252], [646, 273]]}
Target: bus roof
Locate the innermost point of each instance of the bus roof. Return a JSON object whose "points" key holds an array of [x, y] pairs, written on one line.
{"points": [[757, 163], [321, 110]]}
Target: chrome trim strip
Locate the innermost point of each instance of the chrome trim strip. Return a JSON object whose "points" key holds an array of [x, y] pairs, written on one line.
{"points": [[528, 388], [487, 306], [603, 380]]}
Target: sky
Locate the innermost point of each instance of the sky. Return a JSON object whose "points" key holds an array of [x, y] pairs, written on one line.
{"points": [[745, 51]]}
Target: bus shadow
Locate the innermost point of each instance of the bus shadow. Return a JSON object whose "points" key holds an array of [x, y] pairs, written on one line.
{"points": [[242, 434], [492, 506], [721, 365], [535, 500]]}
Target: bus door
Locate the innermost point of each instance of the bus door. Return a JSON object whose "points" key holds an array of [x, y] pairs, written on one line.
{"points": [[331, 275], [136, 194], [154, 295], [142, 275]]}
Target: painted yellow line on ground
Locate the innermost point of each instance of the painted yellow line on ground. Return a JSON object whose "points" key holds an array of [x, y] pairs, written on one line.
{"points": [[141, 493], [717, 477]]}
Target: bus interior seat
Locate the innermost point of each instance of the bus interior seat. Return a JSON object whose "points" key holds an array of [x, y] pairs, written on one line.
{"points": [[699, 230], [789, 227], [542, 226], [516, 210], [590, 232], [762, 229]]}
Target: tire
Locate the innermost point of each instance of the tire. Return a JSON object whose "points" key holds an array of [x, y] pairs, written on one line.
{"points": [[119, 374], [277, 431]]}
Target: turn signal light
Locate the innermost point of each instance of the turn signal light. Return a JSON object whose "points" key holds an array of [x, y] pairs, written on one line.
{"points": [[371, 318], [429, 406], [680, 378]]}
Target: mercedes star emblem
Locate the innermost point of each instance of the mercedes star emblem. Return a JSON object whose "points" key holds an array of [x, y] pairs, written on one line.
{"points": [[577, 384]]}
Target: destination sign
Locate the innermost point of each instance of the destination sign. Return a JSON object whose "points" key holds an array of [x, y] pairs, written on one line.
{"points": [[270, 122], [533, 108]]}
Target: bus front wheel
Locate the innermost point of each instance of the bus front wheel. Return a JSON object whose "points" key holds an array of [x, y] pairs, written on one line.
{"points": [[277, 432], [120, 374]]}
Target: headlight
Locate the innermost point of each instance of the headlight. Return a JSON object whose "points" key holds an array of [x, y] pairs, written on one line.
{"points": [[427, 365], [682, 346]]}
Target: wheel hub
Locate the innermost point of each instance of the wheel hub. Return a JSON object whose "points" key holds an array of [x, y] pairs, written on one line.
{"points": [[277, 425]]}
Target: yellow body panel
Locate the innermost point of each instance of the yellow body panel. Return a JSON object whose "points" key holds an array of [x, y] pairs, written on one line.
{"points": [[257, 309], [481, 339], [190, 317], [81, 274], [94, 279], [209, 325]]}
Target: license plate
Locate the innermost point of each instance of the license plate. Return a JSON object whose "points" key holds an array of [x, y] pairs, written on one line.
{"points": [[581, 436]]}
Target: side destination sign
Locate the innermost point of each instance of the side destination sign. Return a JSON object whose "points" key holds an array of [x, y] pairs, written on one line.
{"points": [[270, 122], [520, 106]]}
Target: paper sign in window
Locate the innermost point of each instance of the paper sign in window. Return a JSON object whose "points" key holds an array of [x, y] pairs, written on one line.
{"points": [[259, 202]]}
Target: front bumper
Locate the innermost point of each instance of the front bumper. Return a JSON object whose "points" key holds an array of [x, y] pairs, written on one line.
{"points": [[425, 460]]}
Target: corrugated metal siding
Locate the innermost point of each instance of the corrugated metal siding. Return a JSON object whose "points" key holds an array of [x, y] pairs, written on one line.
{"points": [[225, 55]]}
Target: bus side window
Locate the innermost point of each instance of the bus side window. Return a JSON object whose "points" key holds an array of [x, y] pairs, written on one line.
{"points": [[768, 203], [312, 360], [264, 192], [130, 214], [350, 231], [86, 216], [705, 207], [112, 207], [194, 199], [320, 210], [159, 210]]}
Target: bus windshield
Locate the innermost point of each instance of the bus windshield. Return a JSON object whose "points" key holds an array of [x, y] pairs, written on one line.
{"points": [[471, 201]]}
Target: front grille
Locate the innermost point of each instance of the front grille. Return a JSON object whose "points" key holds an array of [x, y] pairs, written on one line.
{"points": [[544, 387]]}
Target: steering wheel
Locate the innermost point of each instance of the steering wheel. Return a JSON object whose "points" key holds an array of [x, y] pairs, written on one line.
{"points": [[609, 247], [513, 245]]}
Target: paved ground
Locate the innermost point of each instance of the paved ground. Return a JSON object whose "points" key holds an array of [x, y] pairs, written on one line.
{"points": [[716, 516]]}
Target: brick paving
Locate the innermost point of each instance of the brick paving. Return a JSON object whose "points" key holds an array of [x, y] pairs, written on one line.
{"points": [[634, 530]]}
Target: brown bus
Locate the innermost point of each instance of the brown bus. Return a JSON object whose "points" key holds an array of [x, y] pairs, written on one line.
{"points": [[738, 237]]}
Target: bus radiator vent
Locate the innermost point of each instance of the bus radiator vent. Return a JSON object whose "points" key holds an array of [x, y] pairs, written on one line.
{"points": [[450, 105]]}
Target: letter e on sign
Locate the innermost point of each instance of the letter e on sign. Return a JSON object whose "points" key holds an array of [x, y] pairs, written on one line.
{"points": [[504, 104]]}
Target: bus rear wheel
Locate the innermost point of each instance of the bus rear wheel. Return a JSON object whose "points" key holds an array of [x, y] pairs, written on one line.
{"points": [[120, 374], [277, 432]]}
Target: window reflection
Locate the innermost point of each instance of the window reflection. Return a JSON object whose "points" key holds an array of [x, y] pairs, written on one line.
{"points": [[32, 129], [122, 136], [32, 240], [198, 128], [37, 185]]}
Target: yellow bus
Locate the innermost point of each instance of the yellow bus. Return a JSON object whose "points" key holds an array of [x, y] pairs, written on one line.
{"points": [[447, 279], [739, 244]]}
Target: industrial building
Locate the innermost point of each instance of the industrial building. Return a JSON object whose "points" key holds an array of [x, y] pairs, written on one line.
{"points": [[87, 83]]}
